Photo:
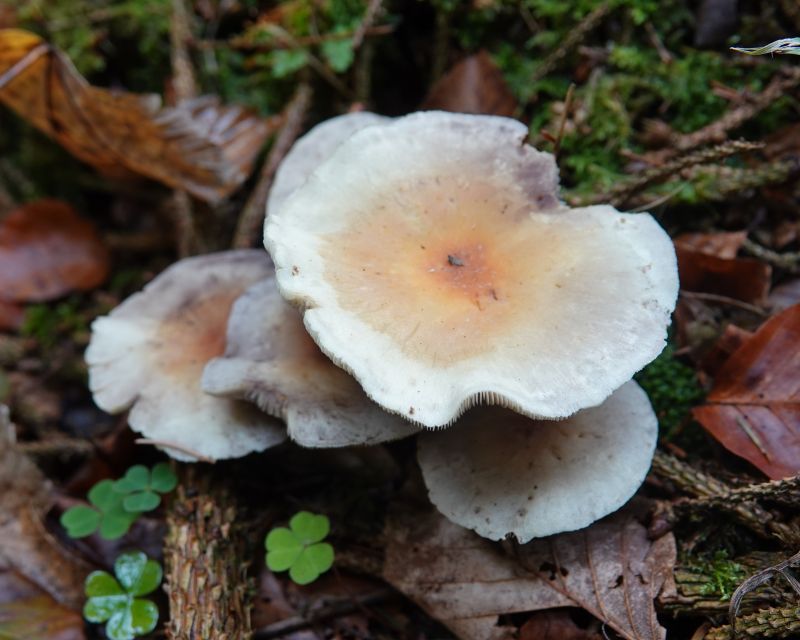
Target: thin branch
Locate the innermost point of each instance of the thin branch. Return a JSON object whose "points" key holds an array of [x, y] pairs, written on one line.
{"points": [[252, 217]]}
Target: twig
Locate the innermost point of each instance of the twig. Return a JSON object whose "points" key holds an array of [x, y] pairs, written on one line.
{"points": [[242, 43], [370, 14], [333, 609], [759, 579], [184, 87], [732, 302], [778, 622], [252, 216], [718, 130], [570, 43], [61, 447], [564, 116], [701, 485], [624, 191], [789, 261]]}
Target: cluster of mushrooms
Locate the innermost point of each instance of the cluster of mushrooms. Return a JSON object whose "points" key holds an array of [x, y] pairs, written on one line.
{"points": [[428, 281]]}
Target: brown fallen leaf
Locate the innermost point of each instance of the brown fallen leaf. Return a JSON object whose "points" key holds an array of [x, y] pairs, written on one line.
{"points": [[723, 244], [474, 85], [707, 264], [11, 316], [555, 625], [28, 613], [610, 569], [754, 406], [199, 146], [46, 251], [25, 545]]}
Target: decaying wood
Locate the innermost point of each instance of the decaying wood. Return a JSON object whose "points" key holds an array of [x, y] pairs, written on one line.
{"points": [[206, 561]]}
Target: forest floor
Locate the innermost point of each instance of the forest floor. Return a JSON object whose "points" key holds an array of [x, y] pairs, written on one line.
{"points": [[644, 105]]}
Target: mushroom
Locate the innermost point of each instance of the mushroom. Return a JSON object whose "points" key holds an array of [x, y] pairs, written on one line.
{"points": [[148, 355], [501, 474], [434, 262], [272, 361], [314, 147]]}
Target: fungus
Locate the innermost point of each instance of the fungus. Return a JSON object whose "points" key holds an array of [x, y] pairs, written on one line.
{"points": [[500, 473], [272, 361], [434, 262], [148, 355], [314, 147]]}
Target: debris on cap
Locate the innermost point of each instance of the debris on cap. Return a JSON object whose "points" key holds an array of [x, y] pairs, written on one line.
{"points": [[148, 355], [315, 146], [500, 473], [433, 260], [272, 361]]}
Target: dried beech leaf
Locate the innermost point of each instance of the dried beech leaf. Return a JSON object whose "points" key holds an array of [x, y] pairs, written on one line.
{"points": [[199, 146], [25, 546], [474, 85], [706, 263], [46, 251], [27, 613], [724, 244], [610, 569], [754, 406], [555, 625]]}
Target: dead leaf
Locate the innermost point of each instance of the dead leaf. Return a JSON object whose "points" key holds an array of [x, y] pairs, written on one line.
{"points": [[474, 85], [610, 569], [25, 545], [754, 406], [785, 295], [11, 316], [27, 613], [723, 244], [731, 339], [46, 251], [555, 625], [199, 146], [707, 264]]}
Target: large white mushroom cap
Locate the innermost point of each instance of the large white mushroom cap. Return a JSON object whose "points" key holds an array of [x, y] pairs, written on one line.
{"points": [[501, 474], [272, 361], [311, 149], [148, 355], [433, 260]]}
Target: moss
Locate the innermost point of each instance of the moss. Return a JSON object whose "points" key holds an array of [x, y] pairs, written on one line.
{"points": [[724, 575], [673, 389]]}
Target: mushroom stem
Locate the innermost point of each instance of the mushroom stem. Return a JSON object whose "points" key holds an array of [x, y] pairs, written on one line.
{"points": [[206, 560]]}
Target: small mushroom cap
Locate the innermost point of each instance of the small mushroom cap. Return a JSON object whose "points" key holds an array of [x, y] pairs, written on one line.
{"points": [[311, 149], [148, 355], [500, 473], [434, 262], [272, 361]]}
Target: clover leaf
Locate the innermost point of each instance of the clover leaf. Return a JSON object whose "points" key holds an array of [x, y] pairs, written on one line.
{"points": [[142, 486], [300, 548], [115, 602], [106, 513]]}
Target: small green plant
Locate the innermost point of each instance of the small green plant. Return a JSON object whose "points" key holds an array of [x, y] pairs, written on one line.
{"points": [[300, 548], [115, 601], [114, 505], [724, 576]]}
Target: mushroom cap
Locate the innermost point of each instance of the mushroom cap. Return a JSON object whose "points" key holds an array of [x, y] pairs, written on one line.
{"points": [[500, 473], [148, 355], [311, 149], [272, 361], [435, 263]]}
